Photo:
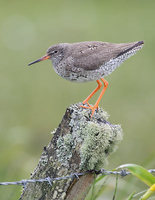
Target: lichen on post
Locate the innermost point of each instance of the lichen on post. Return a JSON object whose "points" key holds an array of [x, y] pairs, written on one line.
{"points": [[80, 143]]}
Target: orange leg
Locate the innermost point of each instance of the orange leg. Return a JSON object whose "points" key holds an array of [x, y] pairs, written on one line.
{"points": [[93, 108], [90, 96]]}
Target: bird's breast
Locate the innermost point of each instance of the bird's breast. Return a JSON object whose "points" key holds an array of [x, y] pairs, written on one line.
{"points": [[76, 74]]}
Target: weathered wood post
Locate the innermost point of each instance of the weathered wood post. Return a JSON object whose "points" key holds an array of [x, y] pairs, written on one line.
{"points": [[80, 143]]}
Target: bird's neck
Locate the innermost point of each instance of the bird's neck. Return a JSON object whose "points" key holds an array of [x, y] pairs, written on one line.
{"points": [[56, 61]]}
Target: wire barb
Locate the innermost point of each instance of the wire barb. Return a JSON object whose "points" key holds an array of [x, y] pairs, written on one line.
{"points": [[75, 175], [123, 173], [49, 180]]}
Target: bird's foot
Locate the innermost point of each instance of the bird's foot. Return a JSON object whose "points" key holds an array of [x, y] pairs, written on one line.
{"points": [[93, 108]]}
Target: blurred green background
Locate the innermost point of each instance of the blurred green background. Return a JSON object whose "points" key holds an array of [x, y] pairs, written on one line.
{"points": [[33, 99]]}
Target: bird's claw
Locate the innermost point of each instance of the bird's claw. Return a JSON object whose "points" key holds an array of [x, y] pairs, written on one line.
{"points": [[92, 108]]}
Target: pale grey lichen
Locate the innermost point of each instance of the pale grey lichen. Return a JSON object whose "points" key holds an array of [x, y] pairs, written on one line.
{"points": [[99, 142], [43, 159], [64, 147], [55, 194], [93, 138], [53, 132]]}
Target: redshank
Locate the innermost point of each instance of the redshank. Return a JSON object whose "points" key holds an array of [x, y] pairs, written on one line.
{"points": [[89, 61]]}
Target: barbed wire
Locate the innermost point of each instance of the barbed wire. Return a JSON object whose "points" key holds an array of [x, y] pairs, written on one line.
{"points": [[72, 176]]}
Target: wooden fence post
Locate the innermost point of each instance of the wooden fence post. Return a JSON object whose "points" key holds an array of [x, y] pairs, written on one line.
{"points": [[80, 143]]}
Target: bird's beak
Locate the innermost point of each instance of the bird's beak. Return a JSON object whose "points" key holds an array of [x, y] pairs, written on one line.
{"points": [[40, 59]]}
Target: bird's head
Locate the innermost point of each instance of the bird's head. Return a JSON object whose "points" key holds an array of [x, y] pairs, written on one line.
{"points": [[54, 53]]}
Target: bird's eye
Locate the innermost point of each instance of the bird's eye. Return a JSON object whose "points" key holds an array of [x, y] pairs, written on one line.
{"points": [[55, 51]]}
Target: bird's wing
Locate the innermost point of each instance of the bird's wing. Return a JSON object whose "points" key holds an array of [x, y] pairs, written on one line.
{"points": [[91, 55]]}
